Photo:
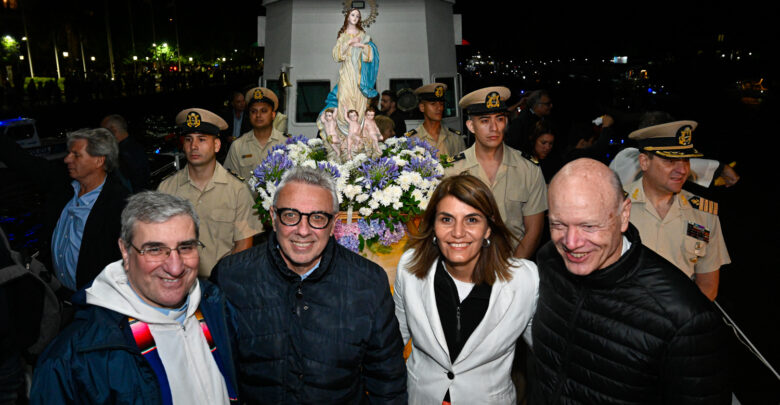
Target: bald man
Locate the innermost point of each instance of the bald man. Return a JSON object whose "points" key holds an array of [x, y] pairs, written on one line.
{"points": [[616, 322]]}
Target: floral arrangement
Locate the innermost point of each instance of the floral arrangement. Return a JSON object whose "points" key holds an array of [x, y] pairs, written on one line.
{"points": [[386, 191]]}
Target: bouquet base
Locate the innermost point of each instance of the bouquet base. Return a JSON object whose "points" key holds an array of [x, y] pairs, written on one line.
{"points": [[388, 261]]}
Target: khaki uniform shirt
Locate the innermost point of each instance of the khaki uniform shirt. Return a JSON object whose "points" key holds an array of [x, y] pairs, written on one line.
{"points": [[688, 236], [449, 143], [246, 152], [225, 211], [519, 188]]}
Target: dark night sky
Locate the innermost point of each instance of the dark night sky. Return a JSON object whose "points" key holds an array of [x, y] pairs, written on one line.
{"points": [[528, 29], [594, 28]]}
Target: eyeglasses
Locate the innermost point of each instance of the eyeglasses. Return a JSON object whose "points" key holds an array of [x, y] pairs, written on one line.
{"points": [[187, 250], [291, 217]]}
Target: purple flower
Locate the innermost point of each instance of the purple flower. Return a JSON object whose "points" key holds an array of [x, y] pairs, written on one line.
{"points": [[377, 173], [425, 166], [368, 229], [272, 168], [388, 237], [330, 168], [350, 242], [411, 142], [376, 228], [297, 138]]}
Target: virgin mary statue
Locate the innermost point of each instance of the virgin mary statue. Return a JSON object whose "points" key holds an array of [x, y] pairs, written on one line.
{"points": [[359, 61]]}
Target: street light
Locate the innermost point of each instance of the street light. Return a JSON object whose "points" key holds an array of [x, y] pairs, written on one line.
{"points": [[92, 58], [65, 54], [135, 57], [21, 57]]}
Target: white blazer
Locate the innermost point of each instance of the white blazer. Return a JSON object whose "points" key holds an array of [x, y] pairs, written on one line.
{"points": [[482, 369]]}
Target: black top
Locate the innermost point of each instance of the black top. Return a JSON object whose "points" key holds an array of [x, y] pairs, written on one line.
{"points": [[458, 319]]}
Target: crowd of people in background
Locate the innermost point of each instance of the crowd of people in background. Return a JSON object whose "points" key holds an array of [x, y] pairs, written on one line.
{"points": [[181, 296]]}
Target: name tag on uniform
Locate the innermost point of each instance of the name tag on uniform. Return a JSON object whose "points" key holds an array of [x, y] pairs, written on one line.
{"points": [[246, 156], [698, 232]]}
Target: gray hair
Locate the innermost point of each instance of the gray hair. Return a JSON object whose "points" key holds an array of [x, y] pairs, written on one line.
{"points": [[100, 142], [115, 123], [535, 97], [154, 207], [314, 177]]}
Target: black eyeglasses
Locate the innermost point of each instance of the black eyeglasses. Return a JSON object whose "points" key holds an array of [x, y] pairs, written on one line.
{"points": [[160, 253], [291, 217]]}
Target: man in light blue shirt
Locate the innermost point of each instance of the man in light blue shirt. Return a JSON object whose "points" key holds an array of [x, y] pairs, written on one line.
{"points": [[66, 240], [92, 154]]}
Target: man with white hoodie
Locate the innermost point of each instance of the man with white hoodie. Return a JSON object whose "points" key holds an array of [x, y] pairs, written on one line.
{"points": [[146, 330]]}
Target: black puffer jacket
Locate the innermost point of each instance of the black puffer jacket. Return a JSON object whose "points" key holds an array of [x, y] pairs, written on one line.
{"points": [[328, 339], [638, 331]]}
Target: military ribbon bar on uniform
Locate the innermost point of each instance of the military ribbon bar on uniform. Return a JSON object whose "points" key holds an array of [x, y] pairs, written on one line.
{"points": [[698, 232]]}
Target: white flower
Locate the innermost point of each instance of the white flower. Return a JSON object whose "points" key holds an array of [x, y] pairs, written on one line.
{"points": [[309, 163], [350, 191], [365, 211], [361, 198], [417, 194], [373, 204], [405, 180], [393, 193], [267, 203], [398, 205]]}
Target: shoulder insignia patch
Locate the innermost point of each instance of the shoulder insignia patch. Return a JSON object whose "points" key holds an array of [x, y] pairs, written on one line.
{"points": [[703, 204], [236, 175], [459, 156], [411, 133], [454, 131], [529, 158], [635, 193]]}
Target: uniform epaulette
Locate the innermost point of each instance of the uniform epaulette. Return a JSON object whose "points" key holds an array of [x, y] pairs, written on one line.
{"points": [[454, 131], [169, 176], [459, 156], [236, 175], [530, 158], [411, 133], [703, 204]]}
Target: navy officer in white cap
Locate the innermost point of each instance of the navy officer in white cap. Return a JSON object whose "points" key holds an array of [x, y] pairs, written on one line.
{"points": [[516, 182], [448, 141], [223, 202], [680, 226]]}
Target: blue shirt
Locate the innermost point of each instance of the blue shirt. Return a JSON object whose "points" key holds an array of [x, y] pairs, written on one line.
{"points": [[237, 124], [308, 273], [66, 240]]}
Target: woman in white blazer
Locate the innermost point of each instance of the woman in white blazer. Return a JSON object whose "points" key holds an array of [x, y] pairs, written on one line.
{"points": [[463, 299]]}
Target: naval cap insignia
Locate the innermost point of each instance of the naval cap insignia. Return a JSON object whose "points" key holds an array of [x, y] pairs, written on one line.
{"points": [[684, 135], [439, 91], [492, 100], [193, 119], [258, 94]]}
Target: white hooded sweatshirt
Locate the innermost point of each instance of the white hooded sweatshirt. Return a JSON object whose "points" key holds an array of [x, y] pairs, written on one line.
{"points": [[191, 369]]}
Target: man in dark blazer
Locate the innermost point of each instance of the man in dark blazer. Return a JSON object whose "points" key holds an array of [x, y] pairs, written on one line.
{"points": [[81, 211]]}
